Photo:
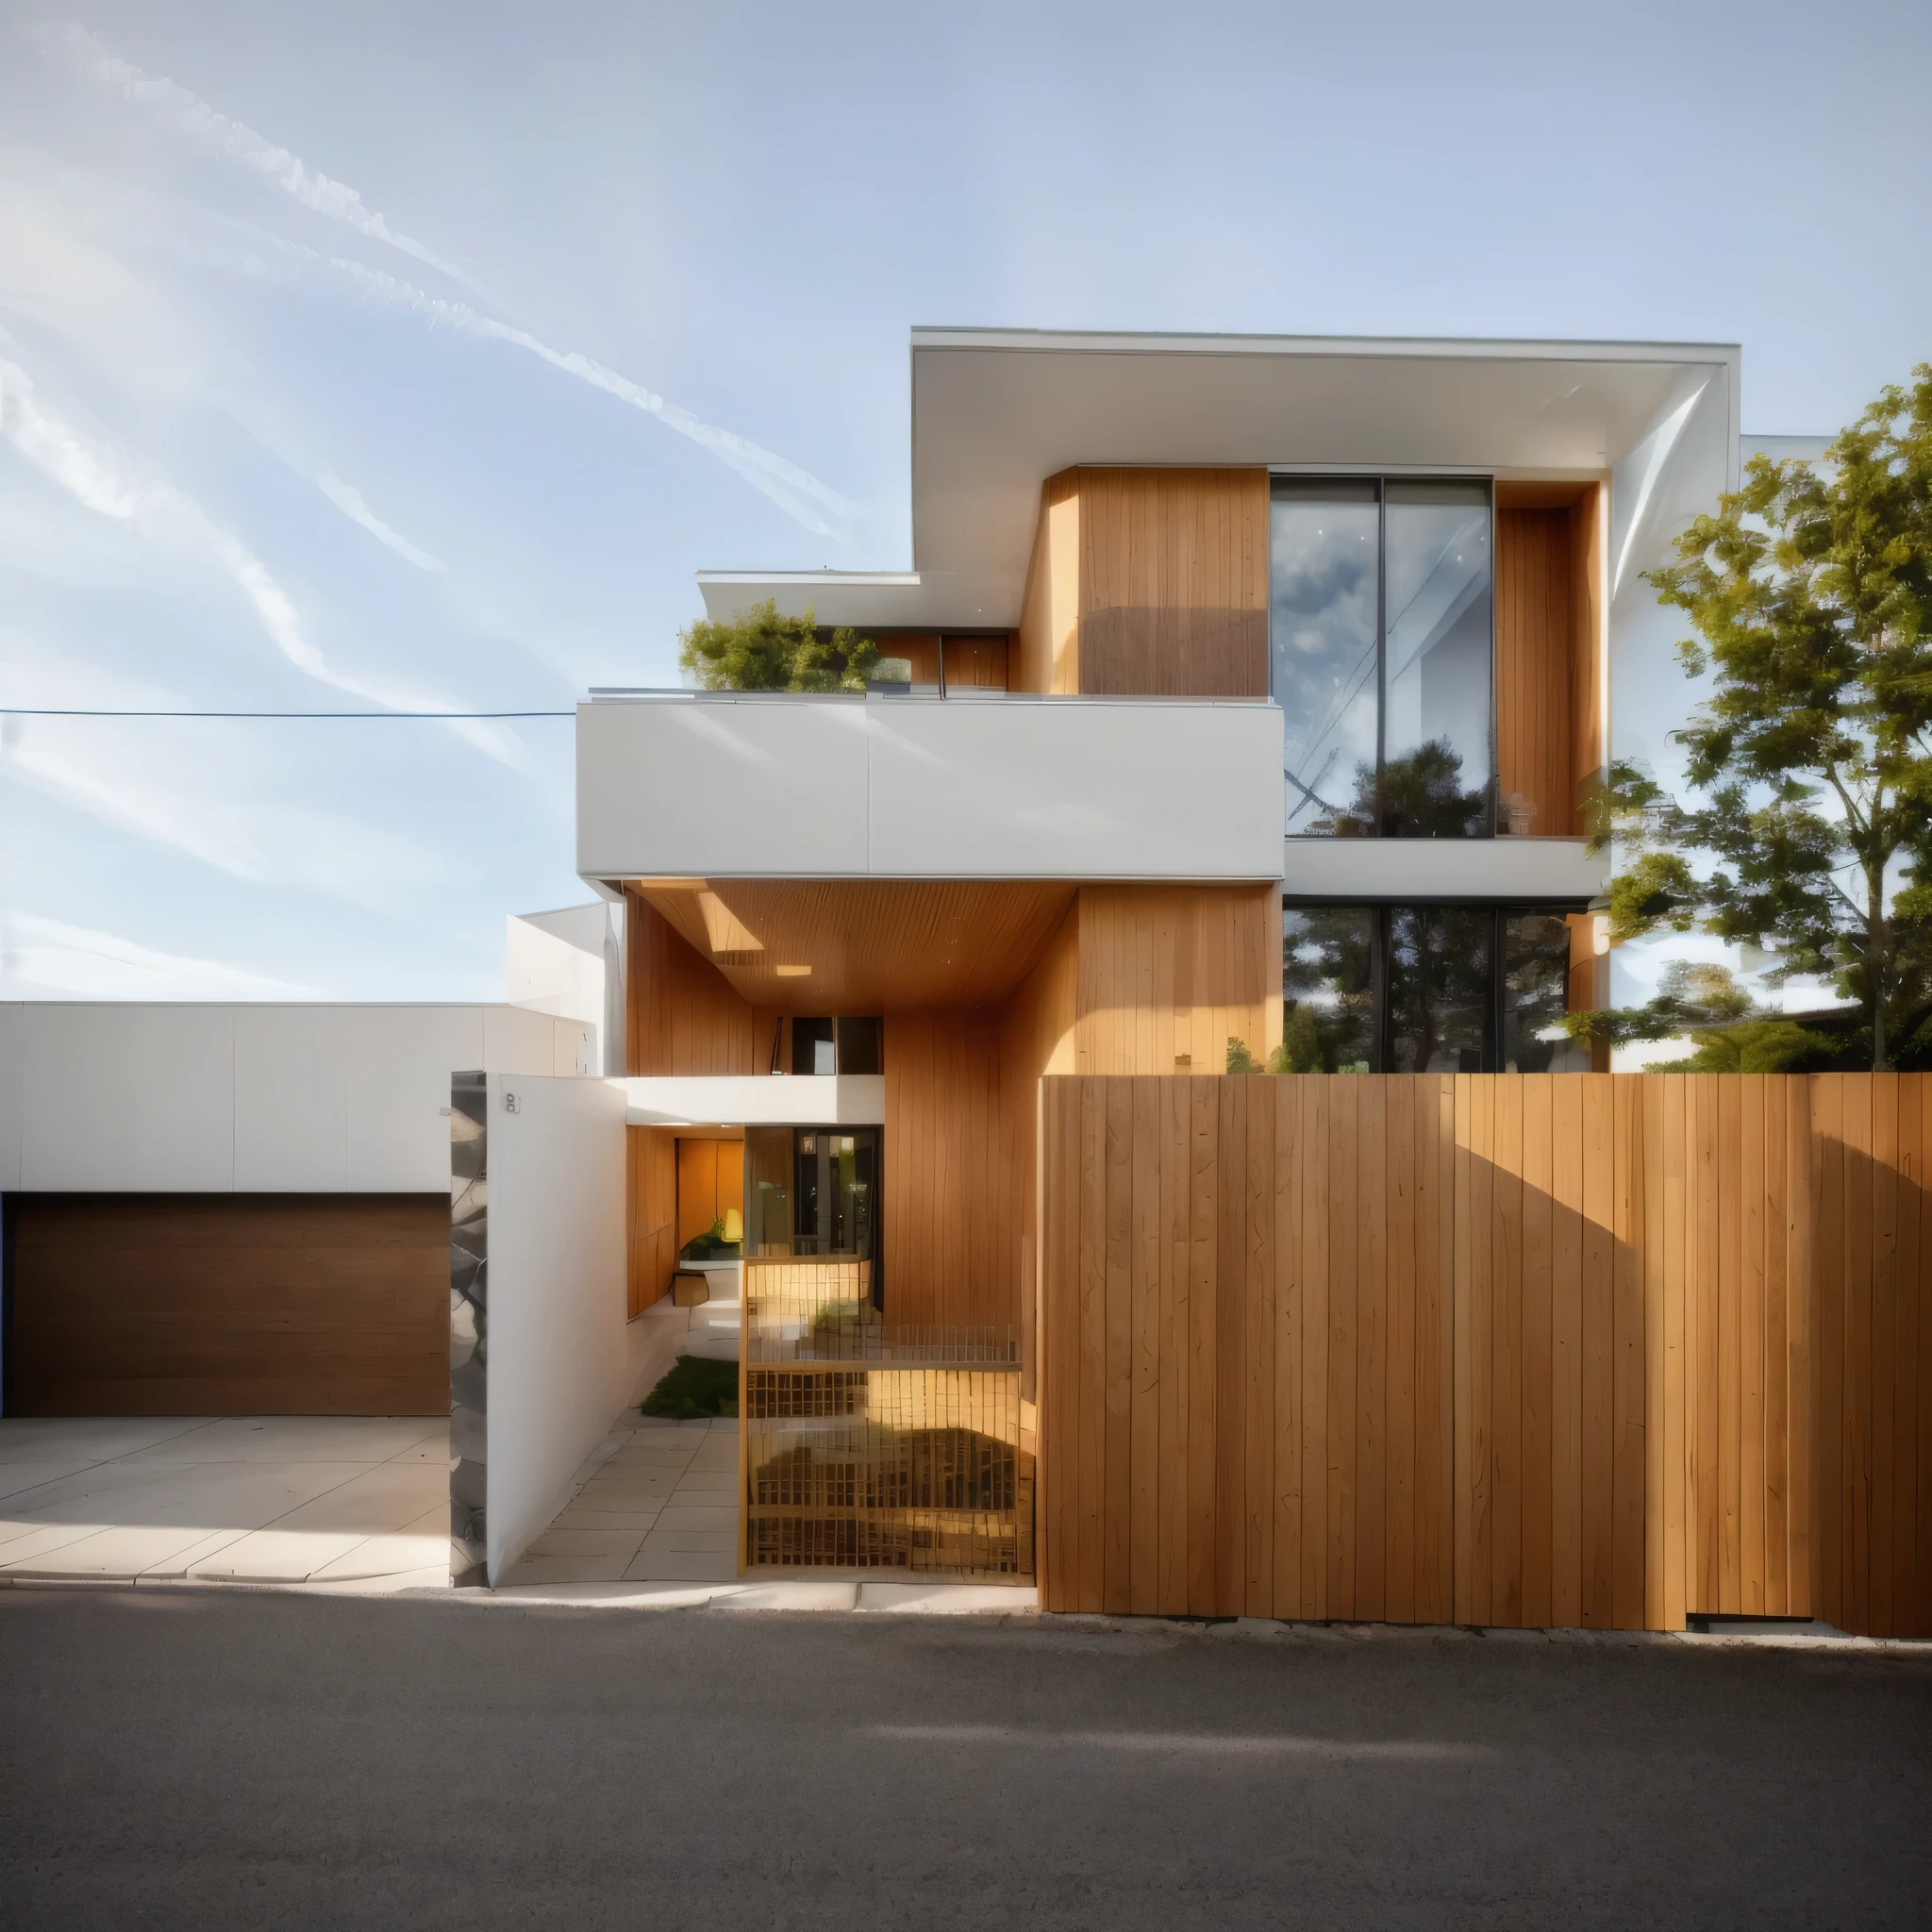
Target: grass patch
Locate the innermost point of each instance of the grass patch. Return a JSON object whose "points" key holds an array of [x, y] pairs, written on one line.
{"points": [[695, 1388]]}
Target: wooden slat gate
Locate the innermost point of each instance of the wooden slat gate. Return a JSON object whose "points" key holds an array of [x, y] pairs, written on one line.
{"points": [[1575, 1350]]}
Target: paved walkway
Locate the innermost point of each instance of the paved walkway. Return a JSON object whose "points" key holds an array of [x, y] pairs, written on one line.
{"points": [[658, 1504], [352, 1500]]}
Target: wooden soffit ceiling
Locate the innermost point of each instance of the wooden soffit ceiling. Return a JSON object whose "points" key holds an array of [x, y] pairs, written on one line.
{"points": [[870, 945]]}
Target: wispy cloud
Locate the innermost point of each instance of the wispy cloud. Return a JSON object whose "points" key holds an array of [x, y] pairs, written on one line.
{"points": [[350, 501], [40, 957], [194, 116], [800, 494], [96, 478], [796, 492]]}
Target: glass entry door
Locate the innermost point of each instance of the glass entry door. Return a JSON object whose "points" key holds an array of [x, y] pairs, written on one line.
{"points": [[813, 1192]]}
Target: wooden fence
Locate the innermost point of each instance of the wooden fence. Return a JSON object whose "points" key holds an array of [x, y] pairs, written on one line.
{"points": [[1571, 1350]]}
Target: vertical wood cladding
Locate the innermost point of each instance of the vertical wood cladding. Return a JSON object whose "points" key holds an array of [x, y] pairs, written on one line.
{"points": [[1148, 583], [1170, 974], [229, 1305], [1133, 977], [1049, 647], [1525, 1350], [684, 1017], [681, 1017], [1589, 754], [652, 1203], [1534, 664], [710, 1182], [1548, 700], [975, 663], [945, 1205], [1036, 1037], [1174, 583]]}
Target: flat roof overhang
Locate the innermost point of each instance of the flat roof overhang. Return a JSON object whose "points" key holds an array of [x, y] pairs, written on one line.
{"points": [[996, 411]]}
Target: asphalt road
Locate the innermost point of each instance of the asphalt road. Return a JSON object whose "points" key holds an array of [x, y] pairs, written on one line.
{"points": [[213, 1760]]}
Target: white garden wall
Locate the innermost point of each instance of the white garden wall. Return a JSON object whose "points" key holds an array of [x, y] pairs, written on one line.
{"points": [[559, 1365]]}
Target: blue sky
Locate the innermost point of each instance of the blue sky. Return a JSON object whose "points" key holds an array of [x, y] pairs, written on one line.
{"points": [[415, 356]]}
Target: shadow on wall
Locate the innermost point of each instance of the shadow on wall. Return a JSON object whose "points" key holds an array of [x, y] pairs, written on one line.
{"points": [[1183, 653], [1572, 1350]]}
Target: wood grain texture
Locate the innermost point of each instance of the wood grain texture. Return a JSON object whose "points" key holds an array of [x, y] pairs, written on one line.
{"points": [[946, 1213], [1415, 1348], [1536, 659], [1169, 975], [1550, 664], [710, 1182], [651, 1162], [1048, 656], [1173, 582], [228, 1304], [976, 664], [1036, 1037], [681, 1014], [871, 944]]}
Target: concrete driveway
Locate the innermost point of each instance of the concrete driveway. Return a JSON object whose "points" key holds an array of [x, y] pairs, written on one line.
{"points": [[353, 1501], [205, 1758]]}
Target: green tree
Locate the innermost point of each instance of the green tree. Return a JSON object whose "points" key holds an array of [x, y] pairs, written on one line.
{"points": [[759, 650], [1811, 591], [1301, 1044]]}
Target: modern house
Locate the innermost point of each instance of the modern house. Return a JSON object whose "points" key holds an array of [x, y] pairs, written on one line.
{"points": [[1249, 694]]}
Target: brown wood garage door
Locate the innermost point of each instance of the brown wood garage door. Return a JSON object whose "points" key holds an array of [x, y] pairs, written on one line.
{"points": [[227, 1304]]}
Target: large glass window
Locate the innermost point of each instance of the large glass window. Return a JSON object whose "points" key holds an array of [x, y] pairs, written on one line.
{"points": [[1324, 626], [1328, 966], [1442, 986], [1382, 646], [1538, 949], [1428, 988], [845, 1045]]}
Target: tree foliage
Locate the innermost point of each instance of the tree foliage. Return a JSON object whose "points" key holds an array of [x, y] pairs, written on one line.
{"points": [[759, 650], [1811, 834]]}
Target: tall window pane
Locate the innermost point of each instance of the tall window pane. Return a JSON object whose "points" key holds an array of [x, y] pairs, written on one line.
{"points": [[1323, 624], [1328, 977], [1536, 995], [1441, 963], [1436, 731]]}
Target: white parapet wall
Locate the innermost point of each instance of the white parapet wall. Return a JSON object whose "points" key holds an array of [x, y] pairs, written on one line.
{"points": [[559, 1364], [994, 787], [570, 963], [752, 1100], [123, 1097]]}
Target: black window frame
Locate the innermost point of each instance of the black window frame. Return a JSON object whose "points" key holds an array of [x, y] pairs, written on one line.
{"points": [[1381, 912], [1379, 483]]}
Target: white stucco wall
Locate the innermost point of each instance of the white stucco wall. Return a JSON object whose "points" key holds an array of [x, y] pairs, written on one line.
{"points": [[990, 787], [114, 1097], [559, 1363]]}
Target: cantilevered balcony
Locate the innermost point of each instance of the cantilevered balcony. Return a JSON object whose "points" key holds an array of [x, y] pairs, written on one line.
{"points": [[767, 785]]}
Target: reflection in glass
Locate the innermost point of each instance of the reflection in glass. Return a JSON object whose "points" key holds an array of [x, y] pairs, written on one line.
{"points": [[767, 1183], [836, 1193], [1327, 973], [1536, 995], [1436, 728], [1440, 969], [1323, 624]]}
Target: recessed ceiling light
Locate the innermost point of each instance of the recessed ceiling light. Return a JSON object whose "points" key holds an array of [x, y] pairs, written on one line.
{"points": [[794, 972]]}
